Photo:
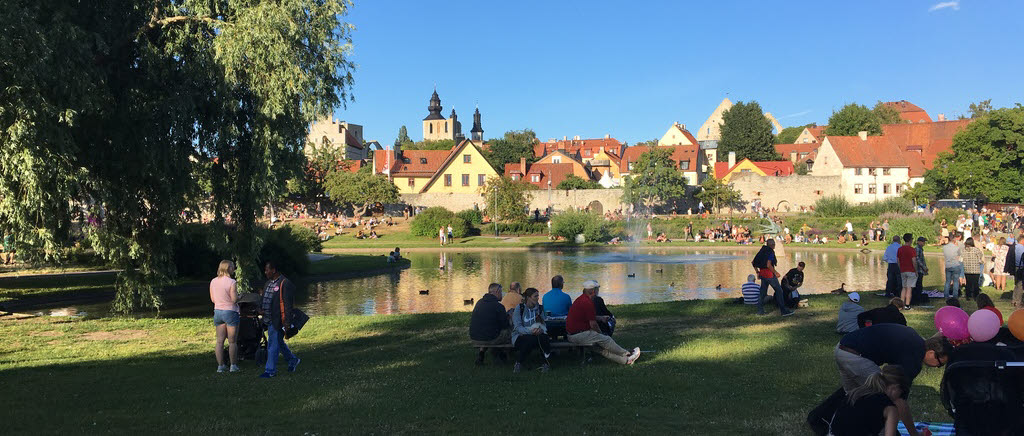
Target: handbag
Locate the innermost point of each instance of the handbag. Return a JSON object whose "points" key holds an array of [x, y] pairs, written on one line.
{"points": [[299, 319]]}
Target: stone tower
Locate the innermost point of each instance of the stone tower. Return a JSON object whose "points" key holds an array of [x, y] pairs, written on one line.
{"points": [[435, 127], [478, 130]]}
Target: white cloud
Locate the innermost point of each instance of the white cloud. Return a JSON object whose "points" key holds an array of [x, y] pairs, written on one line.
{"points": [[798, 114], [944, 5]]}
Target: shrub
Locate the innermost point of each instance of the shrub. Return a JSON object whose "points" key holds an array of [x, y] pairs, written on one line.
{"points": [[949, 213], [519, 228], [471, 216], [286, 246], [570, 223], [837, 206], [305, 236], [831, 206], [915, 226], [428, 222]]}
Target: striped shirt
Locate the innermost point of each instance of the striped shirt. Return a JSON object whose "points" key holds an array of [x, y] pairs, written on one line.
{"points": [[751, 292]]}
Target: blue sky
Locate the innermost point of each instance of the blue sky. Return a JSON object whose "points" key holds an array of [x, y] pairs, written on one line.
{"points": [[630, 69]]}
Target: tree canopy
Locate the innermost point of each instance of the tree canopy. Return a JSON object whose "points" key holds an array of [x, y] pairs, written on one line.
{"points": [[510, 148], [986, 160], [403, 138], [981, 108], [716, 193], [359, 190], [505, 199], [439, 144], [746, 131], [131, 112], [573, 181], [887, 114], [788, 135], [654, 179], [855, 118]]}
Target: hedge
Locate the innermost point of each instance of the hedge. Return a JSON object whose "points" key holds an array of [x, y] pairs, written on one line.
{"points": [[430, 221]]}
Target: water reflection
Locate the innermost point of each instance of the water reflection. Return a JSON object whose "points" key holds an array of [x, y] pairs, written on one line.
{"points": [[660, 275]]}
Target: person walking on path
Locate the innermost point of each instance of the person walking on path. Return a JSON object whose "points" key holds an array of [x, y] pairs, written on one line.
{"points": [[906, 256], [764, 265], [224, 295], [278, 297], [951, 253], [581, 324], [892, 274], [972, 268]]}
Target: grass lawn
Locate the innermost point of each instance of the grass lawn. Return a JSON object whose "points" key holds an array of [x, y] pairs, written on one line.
{"points": [[718, 369], [13, 288]]}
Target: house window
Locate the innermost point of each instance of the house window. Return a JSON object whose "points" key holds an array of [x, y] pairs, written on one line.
{"points": [[535, 178], [744, 171], [899, 188], [872, 171], [556, 159], [886, 189], [423, 160], [412, 182], [480, 179], [586, 153], [885, 171], [467, 158], [858, 188], [630, 166], [445, 127], [515, 177], [872, 189], [465, 180], [430, 128], [803, 155], [406, 160], [857, 171], [684, 165], [447, 179]]}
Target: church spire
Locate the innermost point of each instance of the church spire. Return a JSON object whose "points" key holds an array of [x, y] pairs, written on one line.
{"points": [[434, 108], [478, 130]]}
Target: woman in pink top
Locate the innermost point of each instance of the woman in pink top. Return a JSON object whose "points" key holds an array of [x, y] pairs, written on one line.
{"points": [[224, 295]]}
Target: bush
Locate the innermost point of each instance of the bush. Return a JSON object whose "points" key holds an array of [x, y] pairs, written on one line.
{"points": [[287, 246], [428, 222], [569, 224], [305, 236], [896, 205], [471, 216], [915, 226], [949, 213], [520, 228], [831, 206]]}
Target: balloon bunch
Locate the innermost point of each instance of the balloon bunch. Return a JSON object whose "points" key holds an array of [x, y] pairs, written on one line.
{"points": [[980, 326]]}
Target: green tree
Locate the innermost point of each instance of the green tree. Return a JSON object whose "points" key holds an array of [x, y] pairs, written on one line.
{"points": [[981, 108], [852, 119], [134, 110], [573, 181], [788, 135], [986, 160], [403, 137], [319, 161], [886, 114], [510, 148], [717, 193], [359, 190], [647, 143], [746, 131], [439, 144], [801, 168], [654, 179], [505, 199], [921, 193]]}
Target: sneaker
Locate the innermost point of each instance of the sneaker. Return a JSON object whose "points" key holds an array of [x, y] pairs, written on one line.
{"points": [[633, 357], [222, 368], [294, 364], [544, 368], [267, 375], [517, 368], [234, 368], [788, 313]]}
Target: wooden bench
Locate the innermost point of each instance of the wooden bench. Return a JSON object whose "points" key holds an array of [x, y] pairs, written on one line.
{"points": [[583, 349]]}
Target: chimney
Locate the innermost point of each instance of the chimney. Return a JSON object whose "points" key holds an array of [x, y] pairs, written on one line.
{"points": [[942, 117], [792, 156], [576, 138], [564, 138], [863, 135], [607, 136], [732, 159], [522, 165]]}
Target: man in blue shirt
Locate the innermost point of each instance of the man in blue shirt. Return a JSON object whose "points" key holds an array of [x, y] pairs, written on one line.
{"points": [[892, 275], [556, 303], [1018, 275]]}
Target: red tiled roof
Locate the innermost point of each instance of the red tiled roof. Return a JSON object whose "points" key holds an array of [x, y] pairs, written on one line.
{"points": [[876, 151], [353, 165], [770, 168], [786, 149], [818, 132], [686, 133], [915, 161], [909, 111], [553, 172], [930, 138], [572, 146], [415, 167], [680, 154]]}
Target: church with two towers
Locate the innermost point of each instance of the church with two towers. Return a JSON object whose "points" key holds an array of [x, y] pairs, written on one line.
{"points": [[436, 127]]}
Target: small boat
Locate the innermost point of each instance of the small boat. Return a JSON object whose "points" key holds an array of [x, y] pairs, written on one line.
{"points": [[468, 302], [631, 275]]}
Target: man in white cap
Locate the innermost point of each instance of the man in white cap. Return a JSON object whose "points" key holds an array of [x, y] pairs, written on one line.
{"points": [[848, 312], [581, 325]]}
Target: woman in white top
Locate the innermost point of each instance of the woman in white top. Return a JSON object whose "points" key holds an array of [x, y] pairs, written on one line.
{"points": [[224, 295]]}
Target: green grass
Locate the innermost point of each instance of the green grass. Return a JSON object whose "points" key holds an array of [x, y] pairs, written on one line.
{"points": [[12, 288], [718, 369]]}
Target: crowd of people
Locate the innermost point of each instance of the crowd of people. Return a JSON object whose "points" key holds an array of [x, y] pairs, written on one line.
{"points": [[523, 319]]}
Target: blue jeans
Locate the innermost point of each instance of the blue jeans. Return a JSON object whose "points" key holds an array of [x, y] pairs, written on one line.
{"points": [[952, 279], [275, 344], [774, 283]]}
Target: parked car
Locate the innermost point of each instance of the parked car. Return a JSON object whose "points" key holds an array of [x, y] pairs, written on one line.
{"points": [[958, 203]]}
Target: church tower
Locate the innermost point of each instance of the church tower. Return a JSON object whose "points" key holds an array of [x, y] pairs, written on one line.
{"points": [[435, 127], [456, 127], [478, 130]]}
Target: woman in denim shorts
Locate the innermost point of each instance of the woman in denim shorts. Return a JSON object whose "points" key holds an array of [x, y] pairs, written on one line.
{"points": [[224, 295]]}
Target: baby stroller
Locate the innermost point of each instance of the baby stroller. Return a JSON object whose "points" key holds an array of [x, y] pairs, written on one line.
{"points": [[252, 339], [983, 389]]}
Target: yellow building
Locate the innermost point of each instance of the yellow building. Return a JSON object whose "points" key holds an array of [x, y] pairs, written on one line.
{"points": [[409, 170], [464, 171]]}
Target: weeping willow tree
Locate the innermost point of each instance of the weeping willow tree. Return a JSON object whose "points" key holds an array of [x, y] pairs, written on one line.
{"points": [[124, 113]]}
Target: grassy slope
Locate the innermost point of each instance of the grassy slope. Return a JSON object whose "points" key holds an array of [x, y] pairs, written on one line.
{"points": [[718, 370]]}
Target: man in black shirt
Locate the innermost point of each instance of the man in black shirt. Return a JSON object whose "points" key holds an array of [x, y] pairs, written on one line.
{"points": [[791, 282], [489, 323]]}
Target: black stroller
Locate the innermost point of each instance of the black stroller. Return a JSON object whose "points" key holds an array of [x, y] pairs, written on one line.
{"points": [[983, 388], [252, 338]]}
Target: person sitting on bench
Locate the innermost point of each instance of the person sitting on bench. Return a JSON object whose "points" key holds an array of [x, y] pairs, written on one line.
{"points": [[529, 330], [581, 324], [489, 323], [608, 325], [513, 297]]}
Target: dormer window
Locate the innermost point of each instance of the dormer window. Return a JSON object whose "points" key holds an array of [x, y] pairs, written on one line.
{"points": [[556, 159], [423, 161], [406, 160], [535, 178]]}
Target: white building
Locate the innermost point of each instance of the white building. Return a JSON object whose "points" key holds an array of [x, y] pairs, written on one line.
{"points": [[871, 167]]}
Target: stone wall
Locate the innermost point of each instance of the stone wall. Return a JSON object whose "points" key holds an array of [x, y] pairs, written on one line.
{"points": [[786, 193], [609, 199]]}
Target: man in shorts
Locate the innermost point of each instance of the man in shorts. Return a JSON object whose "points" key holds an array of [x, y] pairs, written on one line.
{"points": [[906, 256]]}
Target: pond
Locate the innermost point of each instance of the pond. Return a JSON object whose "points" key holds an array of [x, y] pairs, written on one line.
{"points": [[450, 279], [445, 281]]}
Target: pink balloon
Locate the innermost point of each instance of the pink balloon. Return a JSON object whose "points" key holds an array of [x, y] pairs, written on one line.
{"points": [[952, 323], [983, 325]]}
